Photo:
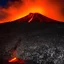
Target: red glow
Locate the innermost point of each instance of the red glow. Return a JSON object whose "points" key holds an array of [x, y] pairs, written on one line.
{"points": [[13, 59], [18, 10]]}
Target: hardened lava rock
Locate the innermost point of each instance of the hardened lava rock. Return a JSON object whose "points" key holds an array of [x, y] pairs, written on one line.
{"points": [[43, 54]]}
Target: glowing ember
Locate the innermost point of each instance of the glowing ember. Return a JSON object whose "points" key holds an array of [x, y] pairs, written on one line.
{"points": [[13, 60], [16, 60]]}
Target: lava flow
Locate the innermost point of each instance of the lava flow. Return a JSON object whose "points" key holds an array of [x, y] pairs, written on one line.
{"points": [[13, 60], [13, 51], [16, 60]]}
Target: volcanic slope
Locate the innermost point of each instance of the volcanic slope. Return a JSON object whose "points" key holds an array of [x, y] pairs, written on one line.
{"points": [[41, 38]]}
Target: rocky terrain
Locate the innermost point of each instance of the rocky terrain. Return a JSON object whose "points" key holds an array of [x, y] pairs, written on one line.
{"points": [[41, 42]]}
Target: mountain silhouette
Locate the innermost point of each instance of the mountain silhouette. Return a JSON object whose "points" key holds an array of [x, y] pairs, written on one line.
{"points": [[35, 17], [31, 21]]}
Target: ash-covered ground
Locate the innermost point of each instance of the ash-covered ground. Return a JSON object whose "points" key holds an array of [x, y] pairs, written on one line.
{"points": [[40, 42]]}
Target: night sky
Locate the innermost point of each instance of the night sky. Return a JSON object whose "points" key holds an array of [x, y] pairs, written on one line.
{"points": [[3, 2]]}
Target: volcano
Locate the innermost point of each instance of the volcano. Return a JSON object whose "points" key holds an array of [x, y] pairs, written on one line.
{"points": [[35, 17]]}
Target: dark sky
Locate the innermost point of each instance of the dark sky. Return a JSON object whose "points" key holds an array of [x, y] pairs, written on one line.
{"points": [[3, 2]]}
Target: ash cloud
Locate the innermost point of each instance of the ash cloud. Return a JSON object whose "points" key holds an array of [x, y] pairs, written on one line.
{"points": [[3, 15]]}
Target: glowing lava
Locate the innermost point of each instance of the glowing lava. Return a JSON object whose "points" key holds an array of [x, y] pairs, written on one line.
{"points": [[13, 59]]}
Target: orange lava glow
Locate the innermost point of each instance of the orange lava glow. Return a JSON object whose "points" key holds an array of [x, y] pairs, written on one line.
{"points": [[13, 59], [18, 10]]}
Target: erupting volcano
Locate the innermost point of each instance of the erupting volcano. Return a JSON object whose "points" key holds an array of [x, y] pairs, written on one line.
{"points": [[16, 9], [35, 17]]}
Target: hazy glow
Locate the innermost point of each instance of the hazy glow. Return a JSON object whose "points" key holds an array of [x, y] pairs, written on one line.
{"points": [[18, 10]]}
